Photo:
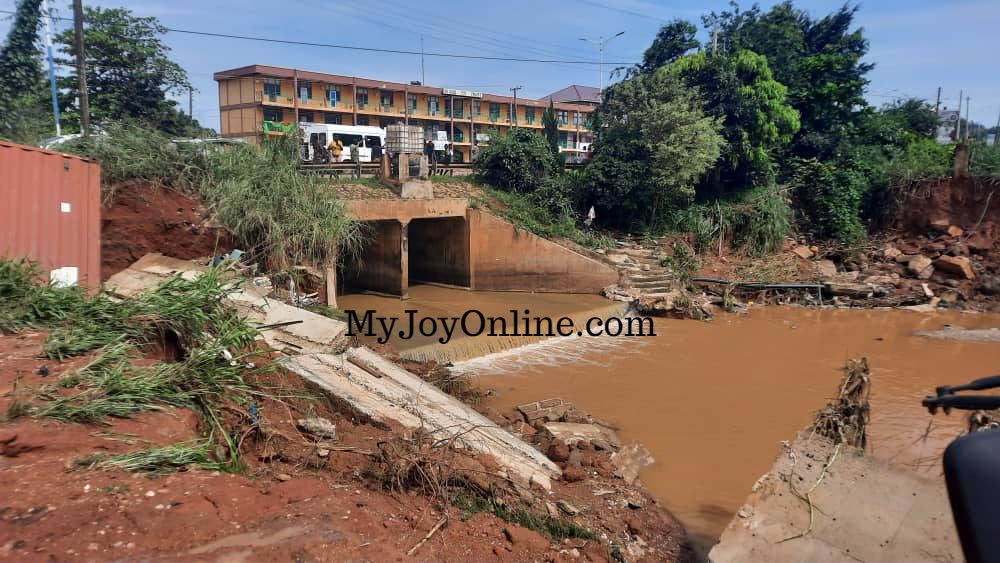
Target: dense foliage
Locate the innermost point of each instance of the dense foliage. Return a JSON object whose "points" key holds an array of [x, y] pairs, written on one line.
{"points": [[129, 71], [24, 115], [519, 161], [740, 91], [653, 145]]}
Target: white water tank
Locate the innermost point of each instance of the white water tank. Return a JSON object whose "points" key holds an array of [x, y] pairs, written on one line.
{"points": [[400, 138]]}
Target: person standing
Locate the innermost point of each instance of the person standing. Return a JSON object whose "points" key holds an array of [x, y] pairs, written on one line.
{"points": [[356, 158]]}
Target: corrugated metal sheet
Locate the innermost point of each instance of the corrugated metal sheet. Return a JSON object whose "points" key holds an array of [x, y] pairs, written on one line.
{"points": [[50, 211]]}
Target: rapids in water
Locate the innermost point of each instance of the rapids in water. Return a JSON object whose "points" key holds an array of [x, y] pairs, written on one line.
{"points": [[713, 400]]}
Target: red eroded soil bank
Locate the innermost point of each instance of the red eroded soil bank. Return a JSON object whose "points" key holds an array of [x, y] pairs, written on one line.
{"points": [[145, 218], [296, 501]]}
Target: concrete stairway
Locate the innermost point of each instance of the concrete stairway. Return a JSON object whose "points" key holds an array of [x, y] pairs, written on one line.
{"points": [[640, 269]]}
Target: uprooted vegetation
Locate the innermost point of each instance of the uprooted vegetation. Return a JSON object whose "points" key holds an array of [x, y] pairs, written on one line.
{"points": [[212, 372], [278, 215]]}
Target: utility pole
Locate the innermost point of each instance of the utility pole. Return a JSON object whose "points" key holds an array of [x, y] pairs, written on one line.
{"points": [[513, 110], [958, 120], [715, 36], [602, 42], [966, 119], [191, 102], [52, 66], [81, 68], [996, 134], [937, 104], [423, 78]]}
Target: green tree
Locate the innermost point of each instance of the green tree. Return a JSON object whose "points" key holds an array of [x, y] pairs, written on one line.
{"points": [[22, 89], [519, 161], [756, 119], [913, 115], [818, 60], [653, 143], [129, 72], [674, 40], [550, 127]]}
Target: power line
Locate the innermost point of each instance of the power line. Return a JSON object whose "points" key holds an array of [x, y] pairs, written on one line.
{"points": [[367, 49]]}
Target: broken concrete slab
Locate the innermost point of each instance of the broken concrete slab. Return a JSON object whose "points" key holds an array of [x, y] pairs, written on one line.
{"points": [[397, 398], [630, 461], [570, 433], [548, 409], [315, 333], [865, 510]]}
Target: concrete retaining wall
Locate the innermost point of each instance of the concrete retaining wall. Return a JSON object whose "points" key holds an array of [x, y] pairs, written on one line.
{"points": [[505, 259]]}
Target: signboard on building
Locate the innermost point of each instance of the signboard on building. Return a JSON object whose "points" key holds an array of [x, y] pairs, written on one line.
{"points": [[947, 120], [464, 93]]}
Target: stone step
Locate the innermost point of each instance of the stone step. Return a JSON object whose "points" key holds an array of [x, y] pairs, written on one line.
{"points": [[654, 291], [651, 283]]}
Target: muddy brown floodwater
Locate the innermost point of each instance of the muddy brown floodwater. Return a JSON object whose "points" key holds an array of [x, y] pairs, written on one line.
{"points": [[713, 400]]}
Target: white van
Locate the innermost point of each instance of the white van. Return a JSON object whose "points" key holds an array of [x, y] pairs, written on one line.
{"points": [[370, 141]]}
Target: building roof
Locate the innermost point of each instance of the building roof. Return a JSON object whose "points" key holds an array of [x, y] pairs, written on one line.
{"points": [[266, 71], [575, 94]]}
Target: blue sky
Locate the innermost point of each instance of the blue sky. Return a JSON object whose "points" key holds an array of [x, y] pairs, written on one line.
{"points": [[917, 45]]}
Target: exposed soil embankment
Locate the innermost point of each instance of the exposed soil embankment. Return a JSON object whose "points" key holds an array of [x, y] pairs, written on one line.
{"points": [[144, 218], [950, 201]]}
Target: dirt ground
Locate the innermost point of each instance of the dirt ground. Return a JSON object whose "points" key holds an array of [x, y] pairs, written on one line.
{"points": [[291, 504], [144, 218]]}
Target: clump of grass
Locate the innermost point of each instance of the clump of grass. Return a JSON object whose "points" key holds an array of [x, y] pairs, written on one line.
{"points": [[683, 262], [133, 151], [285, 218], [548, 526], [535, 213], [162, 460], [257, 193], [114, 384], [757, 222]]}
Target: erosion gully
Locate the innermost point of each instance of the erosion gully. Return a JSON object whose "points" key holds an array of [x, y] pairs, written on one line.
{"points": [[713, 400]]}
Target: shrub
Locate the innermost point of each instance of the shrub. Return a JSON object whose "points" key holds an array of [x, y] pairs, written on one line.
{"points": [[518, 162], [830, 196], [757, 221], [984, 160]]}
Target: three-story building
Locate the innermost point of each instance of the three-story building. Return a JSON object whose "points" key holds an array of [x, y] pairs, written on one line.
{"points": [[259, 100]]}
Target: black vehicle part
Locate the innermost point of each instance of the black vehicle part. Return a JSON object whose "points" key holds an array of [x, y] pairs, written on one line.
{"points": [[972, 473]]}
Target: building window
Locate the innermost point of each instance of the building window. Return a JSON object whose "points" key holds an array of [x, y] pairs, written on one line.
{"points": [[432, 105], [588, 121], [333, 94], [333, 119], [272, 114], [564, 139], [459, 136], [272, 88], [305, 117], [529, 115], [411, 102], [362, 120], [494, 111], [563, 117], [453, 108], [305, 90], [385, 98], [361, 97], [577, 118], [477, 108]]}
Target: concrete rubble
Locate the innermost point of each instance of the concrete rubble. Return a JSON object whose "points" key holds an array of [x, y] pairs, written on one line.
{"points": [[361, 381], [388, 394]]}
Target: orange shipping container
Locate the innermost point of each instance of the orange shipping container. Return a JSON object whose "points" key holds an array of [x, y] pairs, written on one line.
{"points": [[50, 212]]}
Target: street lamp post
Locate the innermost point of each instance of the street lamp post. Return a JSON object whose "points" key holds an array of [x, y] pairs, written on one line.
{"points": [[601, 42]]}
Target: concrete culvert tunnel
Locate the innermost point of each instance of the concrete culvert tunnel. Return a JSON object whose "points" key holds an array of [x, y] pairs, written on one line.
{"points": [[396, 254], [439, 251]]}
